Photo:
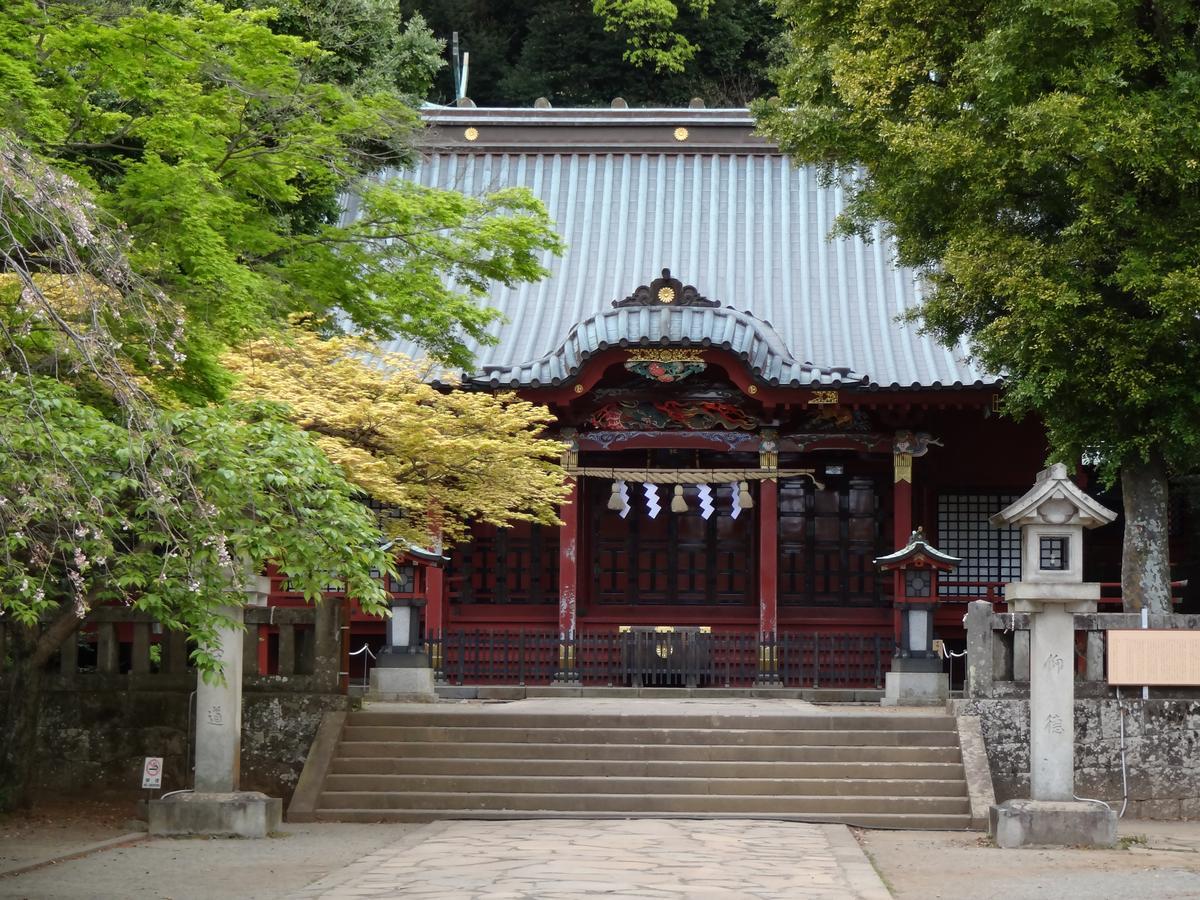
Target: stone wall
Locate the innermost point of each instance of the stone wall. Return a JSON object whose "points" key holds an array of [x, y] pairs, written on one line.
{"points": [[96, 739], [1162, 751]]}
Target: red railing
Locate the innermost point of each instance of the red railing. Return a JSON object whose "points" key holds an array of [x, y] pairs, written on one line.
{"points": [[683, 658]]}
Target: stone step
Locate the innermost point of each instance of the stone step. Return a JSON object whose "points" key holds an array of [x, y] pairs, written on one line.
{"points": [[817, 721], [531, 750], [518, 766], [688, 736], [903, 821], [729, 786], [700, 804]]}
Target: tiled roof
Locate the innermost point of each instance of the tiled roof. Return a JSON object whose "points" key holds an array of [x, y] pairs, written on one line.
{"points": [[634, 191]]}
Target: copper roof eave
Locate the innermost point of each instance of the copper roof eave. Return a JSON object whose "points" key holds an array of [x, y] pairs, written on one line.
{"points": [[616, 131], [666, 327]]}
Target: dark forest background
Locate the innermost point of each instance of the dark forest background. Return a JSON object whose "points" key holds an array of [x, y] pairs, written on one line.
{"points": [[558, 49]]}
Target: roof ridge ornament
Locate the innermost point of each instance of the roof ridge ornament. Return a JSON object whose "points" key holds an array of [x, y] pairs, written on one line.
{"points": [[666, 291]]}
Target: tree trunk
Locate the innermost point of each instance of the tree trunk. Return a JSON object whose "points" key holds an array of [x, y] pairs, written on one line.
{"points": [[18, 746], [19, 752], [1145, 570]]}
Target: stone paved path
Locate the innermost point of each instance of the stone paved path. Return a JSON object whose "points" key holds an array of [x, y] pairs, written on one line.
{"points": [[639, 858]]}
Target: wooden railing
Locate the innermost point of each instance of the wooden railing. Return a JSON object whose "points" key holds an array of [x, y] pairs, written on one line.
{"points": [[661, 659], [121, 648]]}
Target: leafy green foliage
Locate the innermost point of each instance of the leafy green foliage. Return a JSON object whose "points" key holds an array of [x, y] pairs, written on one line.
{"points": [[560, 49], [1041, 163], [211, 137], [107, 496], [440, 459], [370, 48], [228, 486], [649, 27]]}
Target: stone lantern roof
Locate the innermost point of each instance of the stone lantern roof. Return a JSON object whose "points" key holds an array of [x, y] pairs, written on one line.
{"points": [[1054, 500]]}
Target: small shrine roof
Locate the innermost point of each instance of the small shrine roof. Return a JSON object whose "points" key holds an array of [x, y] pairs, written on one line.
{"points": [[633, 190], [917, 546]]}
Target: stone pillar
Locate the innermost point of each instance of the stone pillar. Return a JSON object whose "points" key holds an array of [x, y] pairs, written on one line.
{"points": [[1095, 656], [1051, 704], [219, 713], [1020, 655], [980, 660], [327, 662], [216, 806]]}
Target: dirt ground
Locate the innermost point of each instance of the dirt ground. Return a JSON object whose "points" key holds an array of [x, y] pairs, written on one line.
{"points": [[166, 868], [1157, 860], [59, 824]]}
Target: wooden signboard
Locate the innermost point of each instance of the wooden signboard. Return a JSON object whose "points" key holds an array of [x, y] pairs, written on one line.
{"points": [[1154, 657]]}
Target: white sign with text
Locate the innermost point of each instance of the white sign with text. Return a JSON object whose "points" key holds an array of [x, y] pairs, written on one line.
{"points": [[152, 772]]}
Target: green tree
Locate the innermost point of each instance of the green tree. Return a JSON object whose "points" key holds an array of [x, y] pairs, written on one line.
{"points": [[560, 49], [210, 136], [170, 176], [107, 496], [369, 45], [650, 31], [1039, 163]]}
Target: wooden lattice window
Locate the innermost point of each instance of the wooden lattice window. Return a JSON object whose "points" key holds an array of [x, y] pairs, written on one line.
{"points": [[506, 565], [989, 554], [828, 540], [676, 558]]}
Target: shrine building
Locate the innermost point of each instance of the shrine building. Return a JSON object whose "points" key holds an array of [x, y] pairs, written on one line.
{"points": [[751, 423]]}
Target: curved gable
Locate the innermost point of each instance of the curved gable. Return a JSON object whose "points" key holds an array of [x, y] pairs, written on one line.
{"points": [[667, 313]]}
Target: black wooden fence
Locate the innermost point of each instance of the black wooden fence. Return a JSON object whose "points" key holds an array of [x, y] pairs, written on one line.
{"points": [[661, 659]]}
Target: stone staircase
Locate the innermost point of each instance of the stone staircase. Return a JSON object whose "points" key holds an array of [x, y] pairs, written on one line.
{"points": [[871, 768]]}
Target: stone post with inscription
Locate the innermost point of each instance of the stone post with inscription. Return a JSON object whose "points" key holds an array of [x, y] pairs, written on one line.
{"points": [[219, 714], [1052, 517], [216, 806]]}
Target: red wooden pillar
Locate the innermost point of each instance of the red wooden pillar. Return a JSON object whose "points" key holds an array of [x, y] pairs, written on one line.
{"points": [[568, 564], [768, 581], [568, 583], [768, 557], [902, 525], [435, 601]]}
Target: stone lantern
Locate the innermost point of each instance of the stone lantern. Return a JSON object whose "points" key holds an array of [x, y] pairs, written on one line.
{"points": [[1052, 517], [402, 670], [916, 678]]}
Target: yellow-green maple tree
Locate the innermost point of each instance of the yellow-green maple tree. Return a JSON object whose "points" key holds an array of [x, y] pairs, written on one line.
{"points": [[442, 458]]}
